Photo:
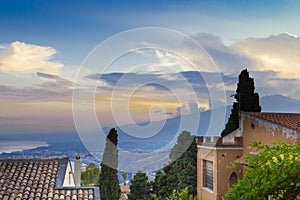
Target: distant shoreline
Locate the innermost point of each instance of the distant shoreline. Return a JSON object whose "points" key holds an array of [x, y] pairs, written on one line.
{"points": [[14, 146]]}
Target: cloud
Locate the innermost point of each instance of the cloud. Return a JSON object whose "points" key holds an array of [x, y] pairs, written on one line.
{"points": [[270, 83], [274, 62], [58, 79], [55, 88], [187, 108], [20, 57], [226, 58], [185, 81], [279, 53]]}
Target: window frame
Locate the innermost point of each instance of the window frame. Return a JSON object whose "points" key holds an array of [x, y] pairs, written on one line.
{"points": [[231, 180], [208, 175]]}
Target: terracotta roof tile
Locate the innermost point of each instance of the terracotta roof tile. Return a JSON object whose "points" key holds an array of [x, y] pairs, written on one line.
{"points": [[38, 179], [288, 120], [125, 189]]}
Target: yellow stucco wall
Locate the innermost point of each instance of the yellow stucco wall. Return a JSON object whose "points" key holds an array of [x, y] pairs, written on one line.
{"points": [[255, 130], [221, 158]]}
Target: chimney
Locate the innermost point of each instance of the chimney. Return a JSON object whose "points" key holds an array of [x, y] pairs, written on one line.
{"points": [[77, 171]]}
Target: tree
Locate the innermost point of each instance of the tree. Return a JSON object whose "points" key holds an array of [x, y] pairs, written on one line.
{"points": [[125, 175], [140, 187], [176, 195], [272, 174], [159, 185], [90, 176], [182, 195], [108, 182], [181, 172], [246, 100]]}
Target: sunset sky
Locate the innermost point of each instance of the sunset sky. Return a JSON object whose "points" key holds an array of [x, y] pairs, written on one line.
{"points": [[44, 44]]}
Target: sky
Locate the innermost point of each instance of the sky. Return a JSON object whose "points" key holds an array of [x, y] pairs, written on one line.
{"points": [[49, 49]]}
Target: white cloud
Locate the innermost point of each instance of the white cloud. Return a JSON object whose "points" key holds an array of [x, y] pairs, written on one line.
{"points": [[278, 53], [274, 61], [20, 57]]}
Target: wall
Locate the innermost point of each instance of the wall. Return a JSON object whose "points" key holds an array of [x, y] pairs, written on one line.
{"points": [[204, 193], [69, 177], [255, 130], [221, 156], [225, 158]]}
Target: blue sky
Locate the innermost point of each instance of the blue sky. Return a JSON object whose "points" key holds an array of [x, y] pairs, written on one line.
{"points": [[75, 27], [44, 43]]}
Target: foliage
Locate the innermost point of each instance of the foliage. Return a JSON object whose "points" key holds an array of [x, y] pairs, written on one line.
{"points": [[246, 100], [140, 187], [272, 174], [182, 171], [90, 176], [108, 182], [159, 185], [183, 195], [125, 175]]}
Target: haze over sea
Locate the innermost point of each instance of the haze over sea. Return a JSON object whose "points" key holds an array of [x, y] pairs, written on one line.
{"points": [[12, 146]]}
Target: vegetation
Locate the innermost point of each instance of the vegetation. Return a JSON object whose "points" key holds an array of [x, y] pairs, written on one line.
{"points": [[90, 176], [108, 182], [159, 185], [125, 175], [183, 195], [140, 187], [246, 100], [181, 173], [272, 174]]}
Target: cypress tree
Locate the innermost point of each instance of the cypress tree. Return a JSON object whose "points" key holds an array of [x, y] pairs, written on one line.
{"points": [[108, 182], [246, 100], [140, 187]]}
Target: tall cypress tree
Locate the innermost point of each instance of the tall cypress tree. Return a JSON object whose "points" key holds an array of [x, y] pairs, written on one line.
{"points": [[246, 100], [108, 182], [140, 187]]}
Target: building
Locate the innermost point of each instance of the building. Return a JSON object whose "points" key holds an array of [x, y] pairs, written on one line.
{"points": [[43, 179], [216, 153], [125, 191]]}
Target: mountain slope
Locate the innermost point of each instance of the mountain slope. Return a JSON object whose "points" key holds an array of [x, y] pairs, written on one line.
{"points": [[279, 103]]}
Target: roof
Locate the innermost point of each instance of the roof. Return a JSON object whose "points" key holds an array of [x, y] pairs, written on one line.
{"points": [[125, 188], [39, 179], [288, 120], [125, 191]]}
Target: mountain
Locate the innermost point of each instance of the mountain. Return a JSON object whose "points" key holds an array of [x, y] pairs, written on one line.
{"points": [[279, 103], [171, 128], [146, 145]]}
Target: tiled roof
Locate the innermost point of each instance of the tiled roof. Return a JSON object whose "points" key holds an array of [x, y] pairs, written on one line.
{"points": [[125, 189], [38, 179], [288, 120]]}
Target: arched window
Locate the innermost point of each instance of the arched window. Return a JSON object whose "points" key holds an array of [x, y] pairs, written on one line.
{"points": [[233, 179]]}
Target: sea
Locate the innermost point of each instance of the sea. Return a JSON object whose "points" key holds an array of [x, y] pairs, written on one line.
{"points": [[14, 146]]}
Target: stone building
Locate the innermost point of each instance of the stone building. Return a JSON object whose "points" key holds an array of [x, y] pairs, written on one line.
{"points": [[216, 153]]}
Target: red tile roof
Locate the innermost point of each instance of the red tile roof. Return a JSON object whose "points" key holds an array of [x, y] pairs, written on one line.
{"points": [[288, 120], [38, 179], [125, 188]]}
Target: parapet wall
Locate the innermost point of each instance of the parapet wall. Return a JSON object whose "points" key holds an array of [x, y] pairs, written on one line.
{"points": [[218, 141]]}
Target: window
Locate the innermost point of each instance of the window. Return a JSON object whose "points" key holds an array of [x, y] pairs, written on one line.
{"points": [[208, 174], [233, 179]]}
